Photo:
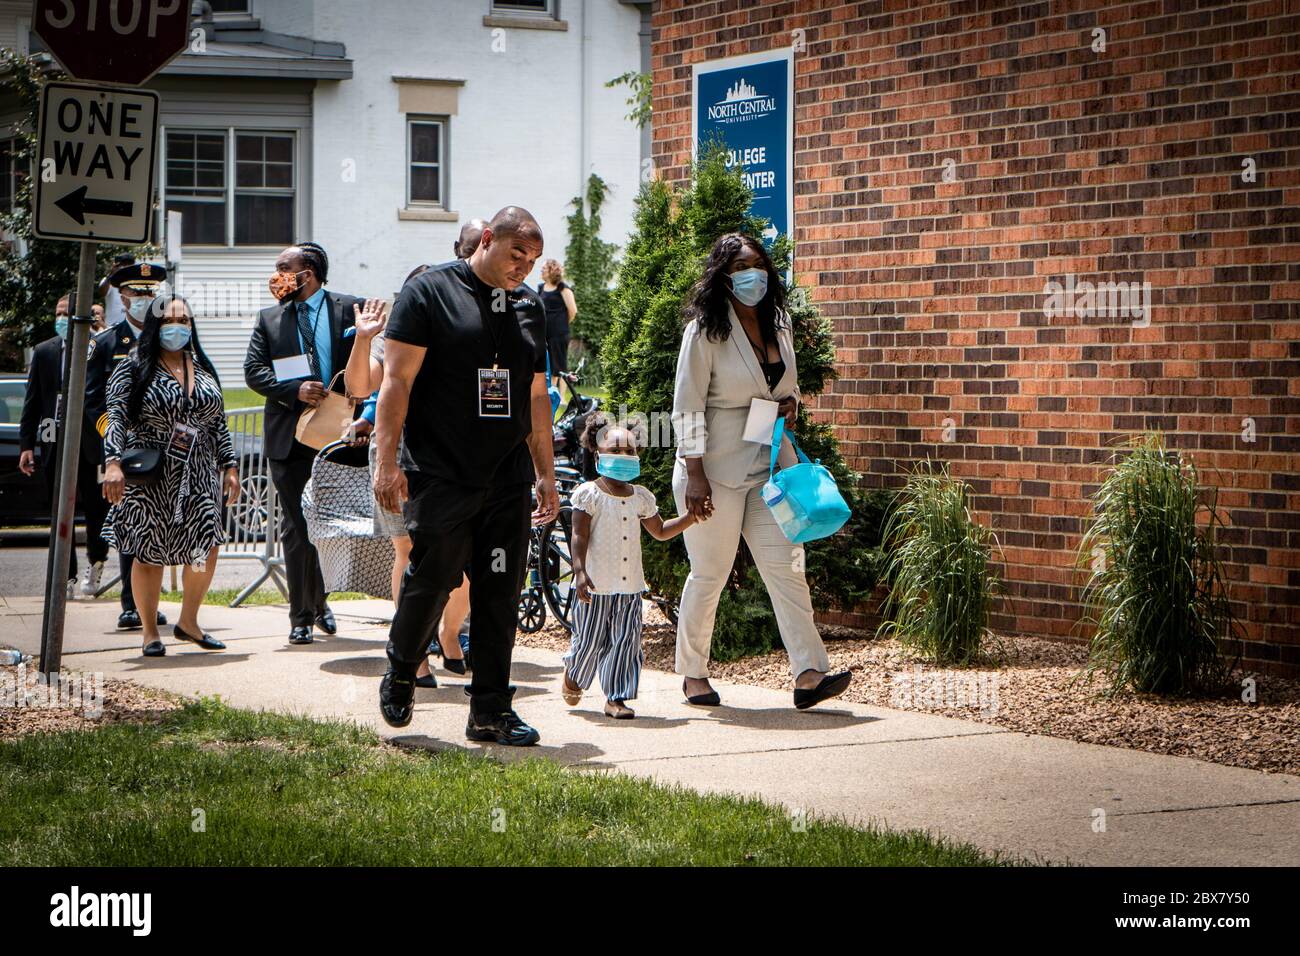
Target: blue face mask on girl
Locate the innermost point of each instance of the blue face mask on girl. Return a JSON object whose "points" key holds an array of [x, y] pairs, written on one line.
{"points": [[749, 286], [174, 337], [618, 467]]}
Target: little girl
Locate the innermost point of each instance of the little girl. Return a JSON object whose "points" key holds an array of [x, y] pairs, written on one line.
{"points": [[607, 569]]}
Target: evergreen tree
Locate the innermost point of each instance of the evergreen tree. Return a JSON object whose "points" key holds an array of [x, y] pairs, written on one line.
{"points": [[589, 266], [672, 235], [32, 282]]}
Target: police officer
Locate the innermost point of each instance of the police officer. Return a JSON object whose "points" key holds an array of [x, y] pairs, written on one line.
{"points": [[138, 284], [39, 426]]}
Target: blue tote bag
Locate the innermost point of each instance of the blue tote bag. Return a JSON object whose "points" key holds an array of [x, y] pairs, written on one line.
{"points": [[803, 498]]}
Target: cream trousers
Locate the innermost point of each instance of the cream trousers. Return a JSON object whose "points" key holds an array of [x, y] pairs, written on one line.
{"points": [[712, 548]]}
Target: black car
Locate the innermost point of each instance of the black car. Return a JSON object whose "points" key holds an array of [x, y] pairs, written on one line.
{"points": [[23, 499]]}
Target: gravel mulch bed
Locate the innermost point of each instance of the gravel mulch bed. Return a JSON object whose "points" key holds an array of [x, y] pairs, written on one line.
{"points": [[93, 703], [1034, 691]]}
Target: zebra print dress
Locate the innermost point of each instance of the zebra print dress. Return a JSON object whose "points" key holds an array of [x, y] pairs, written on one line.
{"points": [[179, 518]]}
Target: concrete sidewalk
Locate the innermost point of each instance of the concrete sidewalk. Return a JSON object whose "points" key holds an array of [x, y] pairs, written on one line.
{"points": [[1032, 796]]}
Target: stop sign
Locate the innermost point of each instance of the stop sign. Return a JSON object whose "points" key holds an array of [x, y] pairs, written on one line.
{"points": [[113, 41]]}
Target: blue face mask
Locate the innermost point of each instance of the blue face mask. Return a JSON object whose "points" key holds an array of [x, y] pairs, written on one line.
{"points": [[749, 286], [618, 467], [138, 309], [61, 326], [174, 337]]}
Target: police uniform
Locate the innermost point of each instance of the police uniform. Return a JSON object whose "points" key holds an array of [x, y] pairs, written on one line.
{"points": [[39, 427], [112, 346]]}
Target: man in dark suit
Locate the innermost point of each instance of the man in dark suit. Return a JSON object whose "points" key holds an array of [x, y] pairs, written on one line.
{"points": [[138, 284], [39, 426], [304, 334]]}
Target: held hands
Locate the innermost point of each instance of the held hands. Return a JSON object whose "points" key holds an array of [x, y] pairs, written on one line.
{"points": [[582, 584], [370, 318], [548, 502], [230, 482], [699, 497], [27, 462], [311, 392], [390, 486], [788, 408], [114, 482]]}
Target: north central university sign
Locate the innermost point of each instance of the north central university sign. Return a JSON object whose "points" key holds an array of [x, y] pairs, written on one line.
{"points": [[747, 104]]}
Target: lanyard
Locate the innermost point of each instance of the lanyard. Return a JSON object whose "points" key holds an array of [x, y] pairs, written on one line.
{"points": [[494, 329]]}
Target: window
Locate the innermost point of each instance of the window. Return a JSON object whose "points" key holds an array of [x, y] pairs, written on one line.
{"points": [[544, 8], [231, 6], [426, 150], [196, 185], [256, 206], [263, 189]]}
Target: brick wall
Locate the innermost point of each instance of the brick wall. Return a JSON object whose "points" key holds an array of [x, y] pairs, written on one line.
{"points": [[1115, 165]]}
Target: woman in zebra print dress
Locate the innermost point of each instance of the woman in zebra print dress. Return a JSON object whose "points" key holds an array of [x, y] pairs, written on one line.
{"points": [[168, 397]]}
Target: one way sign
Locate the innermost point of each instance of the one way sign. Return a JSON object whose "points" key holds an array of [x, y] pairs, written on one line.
{"points": [[96, 152]]}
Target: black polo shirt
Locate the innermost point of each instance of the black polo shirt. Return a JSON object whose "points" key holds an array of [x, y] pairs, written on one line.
{"points": [[448, 311]]}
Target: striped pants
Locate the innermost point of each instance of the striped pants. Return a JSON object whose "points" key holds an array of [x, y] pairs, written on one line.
{"points": [[607, 635]]}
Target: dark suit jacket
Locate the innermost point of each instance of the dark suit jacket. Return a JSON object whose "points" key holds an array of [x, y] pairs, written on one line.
{"points": [[112, 346], [41, 402], [275, 339]]}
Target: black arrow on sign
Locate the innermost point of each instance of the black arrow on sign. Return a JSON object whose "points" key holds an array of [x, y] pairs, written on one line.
{"points": [[77, 205]]}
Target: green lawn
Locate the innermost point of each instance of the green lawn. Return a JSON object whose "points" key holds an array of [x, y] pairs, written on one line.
{"points": [[276, 790], [242, 398]]}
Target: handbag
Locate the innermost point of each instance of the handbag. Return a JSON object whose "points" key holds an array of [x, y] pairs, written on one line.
{"points": [[803, 498], [142, 466], [319, 426], [338, 507]]}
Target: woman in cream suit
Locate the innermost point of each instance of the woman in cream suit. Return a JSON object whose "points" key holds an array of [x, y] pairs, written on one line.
{"points": [[737, 347]]}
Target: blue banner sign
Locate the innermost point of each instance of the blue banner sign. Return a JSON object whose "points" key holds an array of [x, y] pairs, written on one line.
{"points": [[747, 103]]}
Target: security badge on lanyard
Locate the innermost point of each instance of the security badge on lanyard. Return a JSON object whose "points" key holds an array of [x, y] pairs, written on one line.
{"points": [[184, 435], [494, 382]]}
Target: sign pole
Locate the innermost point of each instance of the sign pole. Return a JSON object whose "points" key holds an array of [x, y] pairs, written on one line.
{"points": [[63, 531]]}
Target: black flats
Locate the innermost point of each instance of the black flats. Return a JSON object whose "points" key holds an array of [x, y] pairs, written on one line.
{"points": [[205, 641], [154, 649], [130, 620], [428, 681], [831, 685], [710, 699]]}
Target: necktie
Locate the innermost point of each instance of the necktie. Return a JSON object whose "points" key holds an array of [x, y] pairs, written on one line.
{"points": [[308, 335]]}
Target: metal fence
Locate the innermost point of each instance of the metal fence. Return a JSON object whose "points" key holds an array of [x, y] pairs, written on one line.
{"points": [[253, 522]]}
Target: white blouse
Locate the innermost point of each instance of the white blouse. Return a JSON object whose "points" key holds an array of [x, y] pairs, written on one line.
{"points": [[614, 543]]}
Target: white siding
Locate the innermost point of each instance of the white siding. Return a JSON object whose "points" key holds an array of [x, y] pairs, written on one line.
{"points": [[226, 290]]}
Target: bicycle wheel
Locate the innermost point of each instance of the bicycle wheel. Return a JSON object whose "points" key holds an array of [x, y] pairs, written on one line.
{"points": [[555, 562]]}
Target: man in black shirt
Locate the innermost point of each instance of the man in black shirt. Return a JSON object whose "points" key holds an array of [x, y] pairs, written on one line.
{"points": [[465, 371]]}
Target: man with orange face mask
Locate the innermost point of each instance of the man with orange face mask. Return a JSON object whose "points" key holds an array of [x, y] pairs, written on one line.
{"points": [[296, 350]]}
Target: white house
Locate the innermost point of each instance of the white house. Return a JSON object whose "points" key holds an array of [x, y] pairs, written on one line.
{"points": [[376, 128]]}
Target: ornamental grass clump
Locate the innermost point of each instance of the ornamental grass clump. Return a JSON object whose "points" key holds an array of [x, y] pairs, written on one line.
{"points": [[1156, 591], [937, 561]]}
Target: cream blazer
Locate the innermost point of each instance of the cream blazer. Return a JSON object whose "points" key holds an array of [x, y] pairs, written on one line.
{"points": [[715, 383]]}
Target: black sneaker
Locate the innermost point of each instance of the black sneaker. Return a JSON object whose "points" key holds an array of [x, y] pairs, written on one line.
{"points": [[396, 698], [504, 728]]}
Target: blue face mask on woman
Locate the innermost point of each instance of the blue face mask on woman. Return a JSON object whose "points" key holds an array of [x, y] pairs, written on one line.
{"points": [[618, 467], [174, 337], [61, 326], [749, 285]]}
